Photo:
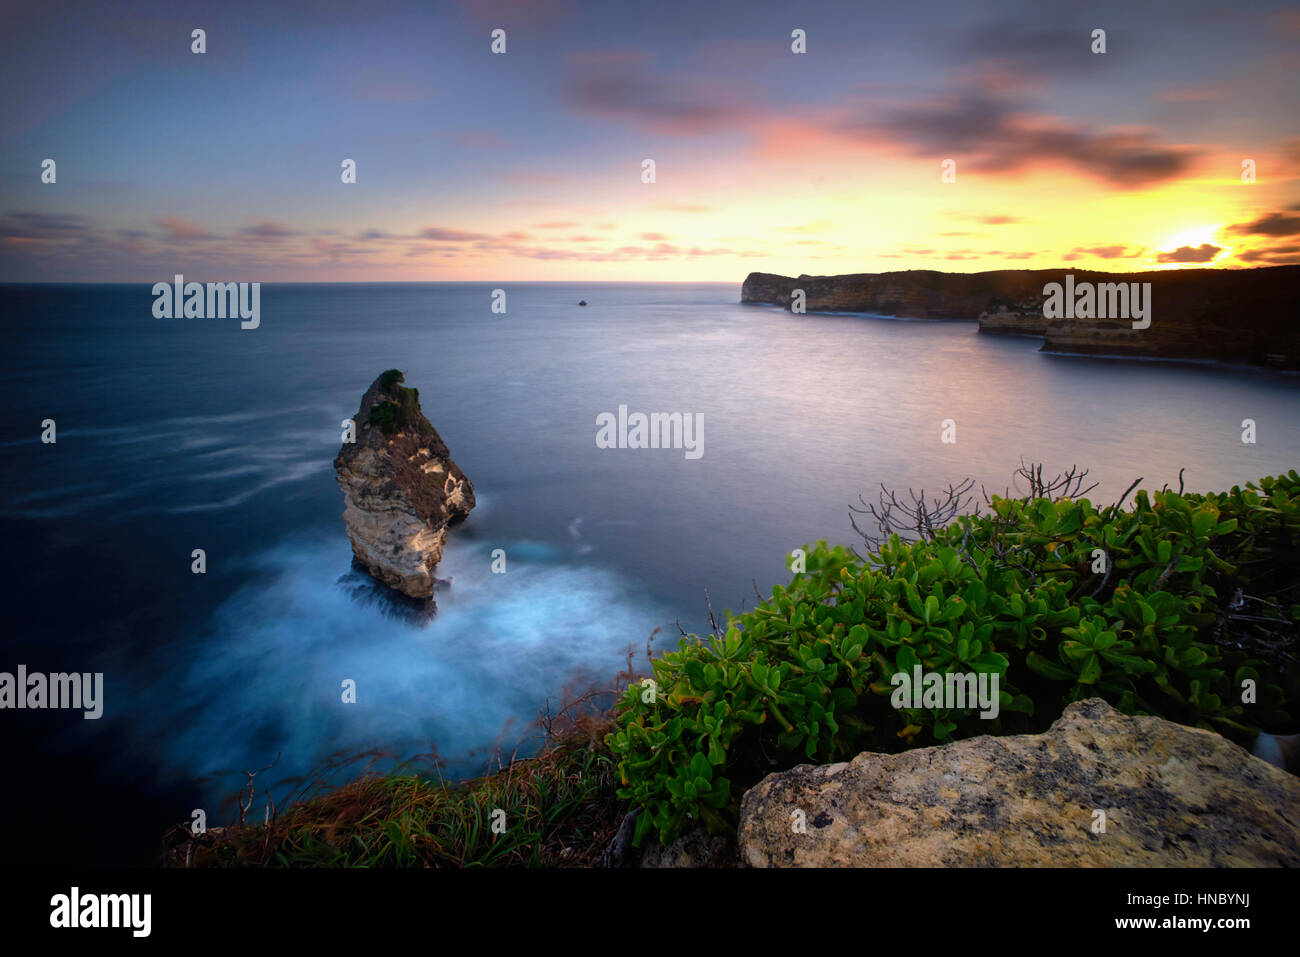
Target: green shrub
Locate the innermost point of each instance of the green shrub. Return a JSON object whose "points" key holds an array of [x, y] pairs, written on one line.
{"points": [[806, 674], [399, 407]]}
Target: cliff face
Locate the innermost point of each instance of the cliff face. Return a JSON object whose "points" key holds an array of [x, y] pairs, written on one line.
{"points": [[1248, 316], [401, 490], [915, 294]]}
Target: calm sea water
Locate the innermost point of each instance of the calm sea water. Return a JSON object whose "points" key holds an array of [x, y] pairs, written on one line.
{"points": [[182, 434]]}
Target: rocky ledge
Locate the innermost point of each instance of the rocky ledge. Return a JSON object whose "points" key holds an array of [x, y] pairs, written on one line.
{"points": [[1247, 316], [401, 490], [1099, 788]]}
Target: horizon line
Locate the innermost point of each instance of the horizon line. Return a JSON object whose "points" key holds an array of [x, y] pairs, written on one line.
{"points": [[1182, 267]]}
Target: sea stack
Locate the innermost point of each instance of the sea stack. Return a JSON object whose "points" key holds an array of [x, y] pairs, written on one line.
{"points": [[401, 490]]}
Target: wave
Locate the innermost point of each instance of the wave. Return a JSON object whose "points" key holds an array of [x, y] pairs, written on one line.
{"points": [[266, 676]]}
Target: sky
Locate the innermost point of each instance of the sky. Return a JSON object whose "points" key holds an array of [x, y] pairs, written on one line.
{"points": [[529, 165]]}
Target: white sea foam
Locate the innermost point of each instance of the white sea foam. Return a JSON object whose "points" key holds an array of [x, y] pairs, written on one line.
{"points": [[265, 678]]}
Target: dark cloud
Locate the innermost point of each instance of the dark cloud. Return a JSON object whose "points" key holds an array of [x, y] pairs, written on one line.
{"points": [[1273, 224], [441, 234], [1272, 256], [620, 85], [1103, 252], [1190, 254], [41, 226], [269, 231], [1032, 50], [985, 131]]}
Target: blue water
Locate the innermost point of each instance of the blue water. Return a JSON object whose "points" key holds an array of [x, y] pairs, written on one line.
{"points": [[183, 434]]}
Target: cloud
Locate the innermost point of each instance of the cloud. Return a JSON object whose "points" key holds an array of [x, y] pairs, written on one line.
{"points": [[652, 237], [441, 234], [1189, 254], [1027, 51], [182, 230], [985, 130], [1102, 252], [269, 231], [565, 224], [1272, 224], [1275, 256], [619, 85], [998, 220], [335, 249], [42, 226]]}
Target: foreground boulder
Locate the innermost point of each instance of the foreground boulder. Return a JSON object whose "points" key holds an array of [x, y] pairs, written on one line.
{"points": [[401, 490], [1173, 796]]}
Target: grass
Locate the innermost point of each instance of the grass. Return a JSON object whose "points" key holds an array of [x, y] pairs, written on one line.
{"points": [[560, 811]]}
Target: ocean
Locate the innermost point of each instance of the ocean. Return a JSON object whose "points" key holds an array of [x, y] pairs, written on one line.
{"points": [[183, 434]]}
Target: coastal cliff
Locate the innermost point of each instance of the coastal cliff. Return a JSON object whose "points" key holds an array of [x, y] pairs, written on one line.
{"points": [[1247, 316], [401, 490]]}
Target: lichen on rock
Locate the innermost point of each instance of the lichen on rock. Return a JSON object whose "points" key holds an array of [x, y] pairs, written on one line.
{"points": [[401, 489], [1098, 789]]}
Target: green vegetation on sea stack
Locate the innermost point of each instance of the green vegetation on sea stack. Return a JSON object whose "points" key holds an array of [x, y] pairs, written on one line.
{"points": [[400, 406], [1190, 616]]}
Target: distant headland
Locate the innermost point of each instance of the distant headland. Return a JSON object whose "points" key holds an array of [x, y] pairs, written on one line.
{"points": [[1243, 316]]}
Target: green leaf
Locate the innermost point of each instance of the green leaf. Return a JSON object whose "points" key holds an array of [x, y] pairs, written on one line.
{"points": [[1091, 670], [700, 767], [1048, 669]]}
